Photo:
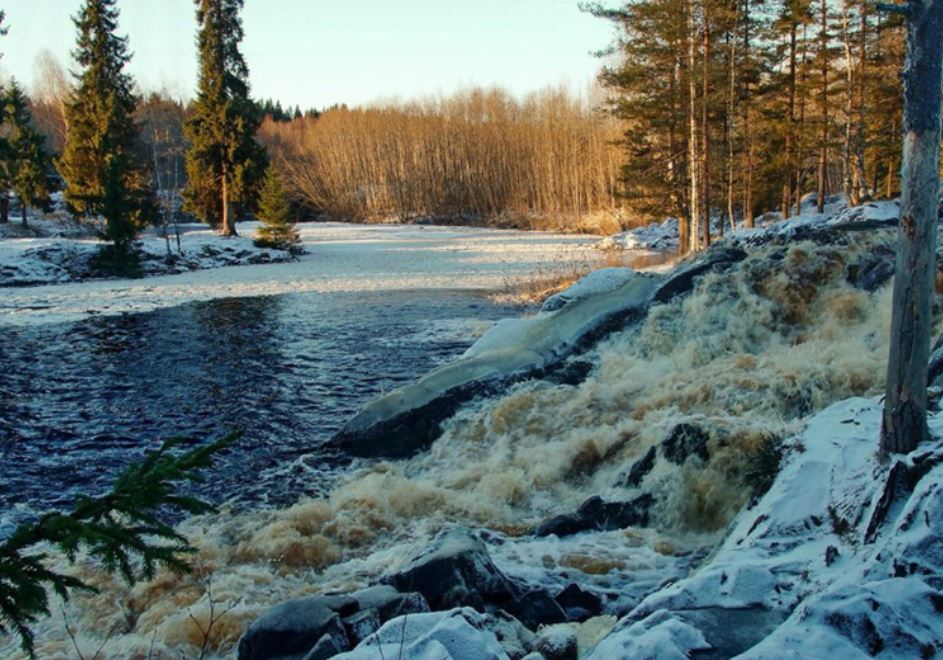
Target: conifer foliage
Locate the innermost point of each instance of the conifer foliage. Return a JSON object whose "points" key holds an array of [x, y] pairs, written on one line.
{"points": [[24, 160], [277, 229], [102, 162], [224, 162], [122, 530]]}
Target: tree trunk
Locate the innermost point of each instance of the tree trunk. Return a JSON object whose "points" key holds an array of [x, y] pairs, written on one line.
{"points": [[705, 127], [23, 208], [823, 146], [905, 405], [791, 124], [228, 227], [4, 208], [694, 196]]}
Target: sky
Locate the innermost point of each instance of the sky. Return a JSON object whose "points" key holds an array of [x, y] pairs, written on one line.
{"points": [[315, 53]]}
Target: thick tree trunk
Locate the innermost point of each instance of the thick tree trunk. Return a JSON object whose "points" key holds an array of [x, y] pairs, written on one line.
{"points": [[228, 226], [4, 208], [905, 406]]}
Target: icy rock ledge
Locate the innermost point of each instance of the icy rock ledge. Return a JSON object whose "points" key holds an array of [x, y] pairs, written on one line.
{"points": [[407, 419], [840, 559]]}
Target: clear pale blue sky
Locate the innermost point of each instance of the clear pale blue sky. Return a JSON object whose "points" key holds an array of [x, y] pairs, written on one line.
{"points": [[318, 52]]}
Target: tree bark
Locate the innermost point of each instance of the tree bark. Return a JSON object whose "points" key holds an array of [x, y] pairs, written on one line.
{"points": [[823, 99], [705, 127], [228, 226], [905, 406], [4, 207], [694, 174], [23, 213]]}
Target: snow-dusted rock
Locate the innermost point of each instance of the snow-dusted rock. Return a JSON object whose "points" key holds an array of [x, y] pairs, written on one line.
{"points": [[851, 562], [596, 282], [660, 636], [557, 642], [460, 634], [658, 236]]}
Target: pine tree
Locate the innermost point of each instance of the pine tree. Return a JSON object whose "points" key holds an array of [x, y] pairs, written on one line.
{"points": [[122, 530], [224, 162], [277, 229], [102, 162], [25, 159]]}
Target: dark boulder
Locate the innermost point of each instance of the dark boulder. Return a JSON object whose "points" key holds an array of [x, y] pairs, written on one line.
{"points": [[294, 628], [639, 470], [328, 647], [578, 603], [685, 440], [537, 608], [388, 602], [596, 514], [455, 571]]}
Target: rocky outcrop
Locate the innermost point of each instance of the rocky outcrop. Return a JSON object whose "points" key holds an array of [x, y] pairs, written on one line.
{"points": [[322, 626], [597, 514], [457, 571], [408, 419]]}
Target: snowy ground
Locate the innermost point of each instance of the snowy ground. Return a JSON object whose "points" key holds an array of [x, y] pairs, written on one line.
{"points": [[340, 257]]}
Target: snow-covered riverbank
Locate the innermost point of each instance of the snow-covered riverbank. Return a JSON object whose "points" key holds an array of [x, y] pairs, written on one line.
{"points": [[340, 257]]}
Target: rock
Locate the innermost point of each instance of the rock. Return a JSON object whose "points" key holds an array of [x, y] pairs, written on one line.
{"points": [[455, 571], [685, 440], [536, 608], [660, 635], [294, 628], [557, 643], [328, 647], [407, 420], [361, 625], [513, 636], [730, 632], [389, 602], [682, 279], [935, 366], [595, 514], [460, 634], [638, 471], [579, 604], [873, 269]]}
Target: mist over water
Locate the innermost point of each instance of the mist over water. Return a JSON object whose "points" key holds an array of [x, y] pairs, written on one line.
{"points": [[86, 398]]}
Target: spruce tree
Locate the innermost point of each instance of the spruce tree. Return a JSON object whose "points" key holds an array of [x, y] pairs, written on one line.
{"points": [[25, 159], [224, 162], [277, 229], [102, 161]]}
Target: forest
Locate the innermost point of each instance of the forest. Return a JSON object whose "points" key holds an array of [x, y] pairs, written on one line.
{"points": [[726, 110]]}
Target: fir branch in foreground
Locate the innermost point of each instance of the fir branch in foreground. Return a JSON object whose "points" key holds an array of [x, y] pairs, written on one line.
{"points": [[122, 529]]}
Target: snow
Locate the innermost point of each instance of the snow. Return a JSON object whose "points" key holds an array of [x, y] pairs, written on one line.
{"points": [[661, 636], [658, 236], [596, 282], [340, 258], [459, 634], [802, 550]]}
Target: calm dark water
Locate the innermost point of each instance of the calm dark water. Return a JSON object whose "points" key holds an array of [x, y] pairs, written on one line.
{"points": [[78, 401]]}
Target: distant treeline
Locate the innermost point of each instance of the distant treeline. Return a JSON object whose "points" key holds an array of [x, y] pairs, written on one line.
{"points": [[478, 156]]}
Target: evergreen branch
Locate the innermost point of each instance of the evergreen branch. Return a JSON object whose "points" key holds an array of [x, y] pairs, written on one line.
{"points": [[121, 529]]}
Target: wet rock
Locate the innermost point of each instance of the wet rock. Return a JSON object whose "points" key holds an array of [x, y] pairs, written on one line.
{"points": [[578, 603], [638, 471], [536, 608], [682, 280], [685, 440], [872, 270], [455, 571], [935, 366], [572, 373], [557, 643], [388, 602], [596, 514], [294, 628], [328, 647]]}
